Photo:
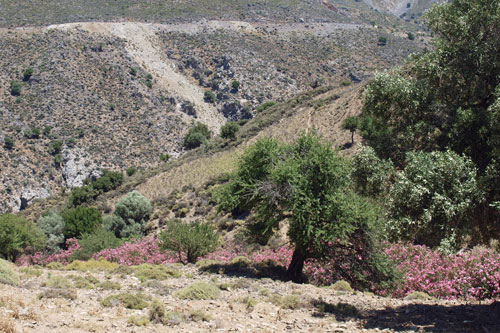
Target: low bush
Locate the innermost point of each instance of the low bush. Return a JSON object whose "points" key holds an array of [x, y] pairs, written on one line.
{"points": [[53, 227], [92, 264], [28, 72], [109, 285], [130, 301], [210, 97], [192, 240], [15, 88], [18, 235], [229, 130], [197, 135], [342, 286], [138, 320], [157, 312], [8, 142], [95, 242], [470, 275], [130, 216], [59, 282], [69, 294], [7, 274], [146, 272], [80, 221], [199, 291]]}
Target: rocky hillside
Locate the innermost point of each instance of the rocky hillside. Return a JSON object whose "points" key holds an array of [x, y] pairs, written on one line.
{"points": [[115, 95], [29, 13]]}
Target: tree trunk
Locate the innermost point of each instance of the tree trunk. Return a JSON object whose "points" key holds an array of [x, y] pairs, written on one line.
{"points": [[294, 271], [352, 138]]}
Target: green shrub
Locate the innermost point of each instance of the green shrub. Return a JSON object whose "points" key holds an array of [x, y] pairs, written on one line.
{"points": [[265, 106], [193, 240], [164, 157], [146, 272], [196, 135], [130, 216], [131, 171], [411, 36], [209, 96], [138, 320], [8, 142], [15, 88], [32, 133], [342, 286], [7, 274], [135, 302], [371, 175], [55, 147], [109, 285], [199, 291], [92, 264], [53, 227], [382, 40], [95, 242], [228, 131], [418, 295], [235, 85], [157, 312], [81, 195], [59, 282], [28, 72], [80, 221], [433, 198], [17, 235], [109, 180]]}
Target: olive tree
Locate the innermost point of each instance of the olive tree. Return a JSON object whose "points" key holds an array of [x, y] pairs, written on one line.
{"points": [[306, 183]]}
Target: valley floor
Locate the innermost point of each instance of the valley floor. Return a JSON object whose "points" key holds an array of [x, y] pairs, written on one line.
{"points": [[244, 305]]}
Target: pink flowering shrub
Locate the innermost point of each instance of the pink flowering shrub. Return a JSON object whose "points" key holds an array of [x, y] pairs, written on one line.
{"points": [[142, 251], [469, 275], [42, 258]]}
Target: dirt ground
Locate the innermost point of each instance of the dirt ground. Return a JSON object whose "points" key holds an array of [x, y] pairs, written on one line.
{"points": [[245, 304]]}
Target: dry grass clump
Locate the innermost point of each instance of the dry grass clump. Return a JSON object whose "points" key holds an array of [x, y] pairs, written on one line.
{"points": [[342, 286], [130, 301], [7, 274], [84, 282], [204, 263], [55, 265], [59, 282], [138, 320], [418, 295], [59, 293], [199, 315], [92, 264], [146, 272], [199, 290], [109, 285], [341, 309], [30, 271], [290, 302], [7, 325]]}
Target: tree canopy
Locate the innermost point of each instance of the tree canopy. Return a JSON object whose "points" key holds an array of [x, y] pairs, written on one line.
{"points": [[306, 183], [447, 98]]}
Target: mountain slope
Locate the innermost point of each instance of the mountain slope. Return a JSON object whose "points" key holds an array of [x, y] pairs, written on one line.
{"points": [[117, 95]]}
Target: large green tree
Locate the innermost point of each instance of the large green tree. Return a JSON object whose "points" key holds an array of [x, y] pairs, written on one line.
{"points": [[307, 184], [445, 98]]}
